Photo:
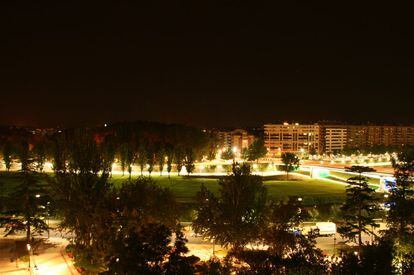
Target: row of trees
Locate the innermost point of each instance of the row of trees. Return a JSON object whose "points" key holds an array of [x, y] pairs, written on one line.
{"points": [[146, 145], [149, 146]]}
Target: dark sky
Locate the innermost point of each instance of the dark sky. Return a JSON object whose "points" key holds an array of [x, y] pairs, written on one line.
{"points": [[206, 63]]}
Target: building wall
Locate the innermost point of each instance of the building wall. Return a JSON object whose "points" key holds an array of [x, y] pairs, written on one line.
{"points": [[335, 138], [386, 135], [238, 138], [292, 137]]}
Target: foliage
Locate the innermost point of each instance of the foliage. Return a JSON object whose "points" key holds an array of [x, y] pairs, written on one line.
{"points": [[373, 259], [257, 150], [227, 154], [26, 207], [138, 240], [81, 193], [360, 206], [161, 158], [142, 156], [40, 153], [189, 161], [238, 214], [401, 199], [170, 159], [215, 266], [401, 213], [179, 159], [127, 157], [108, 153], [7, 154], [151, 158], [282, 219], [290, 162]]}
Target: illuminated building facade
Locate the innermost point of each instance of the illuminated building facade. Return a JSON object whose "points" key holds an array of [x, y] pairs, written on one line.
{"points": [[238, 138], [383, 135], [334, 138], [318, 138], [292, 138]]}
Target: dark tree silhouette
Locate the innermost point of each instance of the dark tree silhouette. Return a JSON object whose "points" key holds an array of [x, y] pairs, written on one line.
{"points": [[7, 155], [360, 206], [257, 150], [238, 214], [290, 162]]}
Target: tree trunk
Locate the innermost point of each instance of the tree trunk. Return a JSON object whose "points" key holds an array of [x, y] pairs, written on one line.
{"points": [[28, 233], [359, 230]]}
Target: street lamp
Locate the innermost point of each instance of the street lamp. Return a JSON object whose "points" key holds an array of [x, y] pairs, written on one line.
{"points": [[28, 246]]}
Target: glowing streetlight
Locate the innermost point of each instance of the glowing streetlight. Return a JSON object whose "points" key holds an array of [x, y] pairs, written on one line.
{"points": [[28, 246]]}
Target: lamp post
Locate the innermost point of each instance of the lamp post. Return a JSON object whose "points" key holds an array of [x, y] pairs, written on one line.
{"points": [[28, 246]]}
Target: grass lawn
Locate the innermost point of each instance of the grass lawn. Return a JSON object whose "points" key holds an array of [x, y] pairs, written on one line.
{"points": [[313, 191], [373, 182]]}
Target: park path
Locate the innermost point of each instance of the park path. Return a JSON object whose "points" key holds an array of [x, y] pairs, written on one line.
{"points": [[52, 260]]}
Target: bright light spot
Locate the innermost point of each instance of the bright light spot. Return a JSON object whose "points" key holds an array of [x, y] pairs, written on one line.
{"points": [[37, 195], [300, 199]]}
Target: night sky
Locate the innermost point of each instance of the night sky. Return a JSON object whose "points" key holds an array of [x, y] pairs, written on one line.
{"points": [[204, 63]]}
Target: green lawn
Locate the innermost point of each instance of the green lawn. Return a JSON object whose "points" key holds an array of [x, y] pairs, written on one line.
{"points": [[313, 191], [184, 188], [373, 182]]}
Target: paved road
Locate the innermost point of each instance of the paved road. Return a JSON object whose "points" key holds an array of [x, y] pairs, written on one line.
{"points": [[49, 260]]}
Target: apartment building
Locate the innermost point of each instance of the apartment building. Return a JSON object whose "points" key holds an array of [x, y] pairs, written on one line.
{"points": [[333, 138], [237, 138], [292, 138], [363, 136]]}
